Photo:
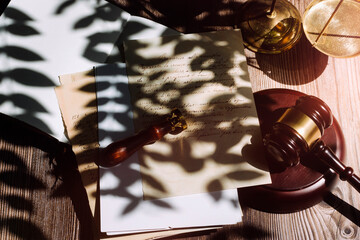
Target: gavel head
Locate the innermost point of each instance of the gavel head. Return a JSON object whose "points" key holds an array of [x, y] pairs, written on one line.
{"points": [[297, 129]]}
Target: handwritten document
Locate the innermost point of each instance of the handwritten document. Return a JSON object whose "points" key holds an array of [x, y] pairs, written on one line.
{"points": [[204, 76]]}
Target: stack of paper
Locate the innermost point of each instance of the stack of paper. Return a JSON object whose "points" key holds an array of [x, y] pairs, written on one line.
{"points": [[217, 85], [205, 75], [123, 209]]}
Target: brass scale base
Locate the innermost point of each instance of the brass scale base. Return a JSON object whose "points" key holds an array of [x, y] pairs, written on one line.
{"points": [[298, 187]]}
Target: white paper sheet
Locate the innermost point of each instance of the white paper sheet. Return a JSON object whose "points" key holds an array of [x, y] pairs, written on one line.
{"points": [[40, 40], [122, 207]]}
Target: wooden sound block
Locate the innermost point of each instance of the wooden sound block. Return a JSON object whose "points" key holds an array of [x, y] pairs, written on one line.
{"points": [[298, 187]]}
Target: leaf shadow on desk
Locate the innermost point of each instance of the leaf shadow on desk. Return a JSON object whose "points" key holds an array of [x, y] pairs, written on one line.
{"points": [[17, 177], [300, 65], [37, 178], [187, 16]]}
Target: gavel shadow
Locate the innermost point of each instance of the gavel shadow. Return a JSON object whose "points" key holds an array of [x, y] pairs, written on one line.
{"points": [[344, 208]]}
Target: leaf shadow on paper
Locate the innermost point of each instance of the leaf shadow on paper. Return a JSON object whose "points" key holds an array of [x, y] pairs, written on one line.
{"points": [[19, 24], [192, 165]]}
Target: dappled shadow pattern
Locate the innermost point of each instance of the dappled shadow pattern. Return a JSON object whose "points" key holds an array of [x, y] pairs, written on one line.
{"points": [[210, 15], [29, 169], [186, 16], [193, 165], [121, 114], [19, 25], [207, 74], [39, 176]]}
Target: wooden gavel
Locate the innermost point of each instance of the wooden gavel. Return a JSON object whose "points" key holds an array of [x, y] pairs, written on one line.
{"points": [[299, 130], [119, 151]]}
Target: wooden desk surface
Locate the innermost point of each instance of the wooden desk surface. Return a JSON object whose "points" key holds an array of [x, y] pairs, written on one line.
{"points": [[336, 81]]}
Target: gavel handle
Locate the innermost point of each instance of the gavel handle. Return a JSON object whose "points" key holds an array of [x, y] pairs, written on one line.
{"points": [[119, 151], [325, 154]]}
